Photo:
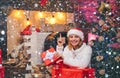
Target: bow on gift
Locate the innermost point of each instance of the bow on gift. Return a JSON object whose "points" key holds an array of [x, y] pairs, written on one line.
{"points": [[49, 55]]}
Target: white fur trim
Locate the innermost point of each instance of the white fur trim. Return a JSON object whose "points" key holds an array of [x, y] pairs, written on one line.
{"points": [[77, 32]]}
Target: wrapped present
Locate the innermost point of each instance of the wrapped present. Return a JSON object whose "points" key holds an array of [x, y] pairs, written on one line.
{"points": [[1, 72], [48, 56], [72, 73]]}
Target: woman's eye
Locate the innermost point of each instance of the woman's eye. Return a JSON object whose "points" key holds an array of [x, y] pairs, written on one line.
{"points": [[76, 36], [71, 37]]}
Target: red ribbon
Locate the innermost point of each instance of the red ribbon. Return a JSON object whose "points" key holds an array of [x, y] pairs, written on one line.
{"points": [[43, 2]]}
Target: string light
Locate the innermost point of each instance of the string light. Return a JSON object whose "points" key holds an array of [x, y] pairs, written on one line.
{"points": [[52, 20]]}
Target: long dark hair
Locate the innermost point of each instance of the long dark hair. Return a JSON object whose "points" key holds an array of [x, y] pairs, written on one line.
{"points": [[51, 40]]}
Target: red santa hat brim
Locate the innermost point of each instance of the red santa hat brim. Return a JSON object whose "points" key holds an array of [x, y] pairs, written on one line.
{"points": [[76, 31]]}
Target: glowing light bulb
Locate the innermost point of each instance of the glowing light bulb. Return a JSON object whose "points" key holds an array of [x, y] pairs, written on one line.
{"points": [[52, 20], [17, 13], [40, 14]]}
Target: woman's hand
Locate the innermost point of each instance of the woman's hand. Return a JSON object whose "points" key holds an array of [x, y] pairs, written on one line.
{"points": [[57, 55], [60, 41]]}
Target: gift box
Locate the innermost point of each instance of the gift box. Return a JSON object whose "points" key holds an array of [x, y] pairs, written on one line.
{"points": [[1, 72], [72, 73], [48, 56]]}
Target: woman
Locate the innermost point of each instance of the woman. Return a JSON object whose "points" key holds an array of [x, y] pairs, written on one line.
{"points": [[76, 53]]}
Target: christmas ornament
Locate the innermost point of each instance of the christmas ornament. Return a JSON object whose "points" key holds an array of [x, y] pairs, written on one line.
{"points": [[99, 58], [105, 27], [102, 71], [110, 21], [104, 6], [117, 58], [43, 2], [101, 38], [101, 22], [94, 30], [108, 6]]}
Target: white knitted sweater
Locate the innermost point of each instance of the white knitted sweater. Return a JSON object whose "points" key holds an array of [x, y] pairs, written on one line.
{"points": [[78, 58]]}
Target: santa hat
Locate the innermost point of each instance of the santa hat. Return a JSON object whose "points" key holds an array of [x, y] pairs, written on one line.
{"points": [[76, 31]]}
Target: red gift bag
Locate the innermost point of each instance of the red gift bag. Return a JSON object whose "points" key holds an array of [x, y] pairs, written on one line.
{"points": [[89, 72], [62, 72], [48, 56], [1, 72], [67, 73]]}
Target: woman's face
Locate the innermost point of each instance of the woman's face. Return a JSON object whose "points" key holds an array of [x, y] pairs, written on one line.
{"points": [[74, 40]]}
